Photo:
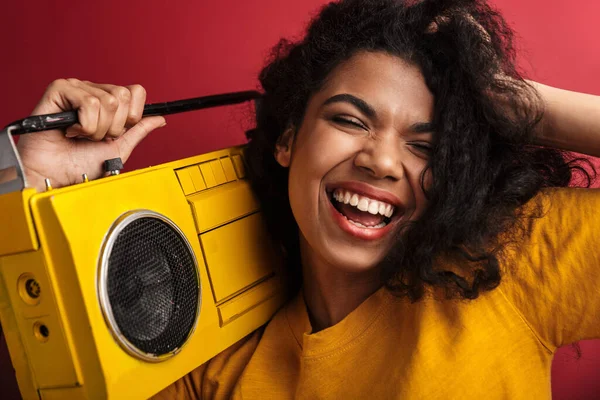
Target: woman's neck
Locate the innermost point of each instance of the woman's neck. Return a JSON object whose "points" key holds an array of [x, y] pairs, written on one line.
{"points": [[330, 292]]}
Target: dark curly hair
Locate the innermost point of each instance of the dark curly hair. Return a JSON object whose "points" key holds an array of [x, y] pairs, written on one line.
{"points": [[484, 166]]}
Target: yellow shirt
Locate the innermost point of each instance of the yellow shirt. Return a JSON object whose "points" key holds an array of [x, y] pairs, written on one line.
{"points": [[499, 346]]}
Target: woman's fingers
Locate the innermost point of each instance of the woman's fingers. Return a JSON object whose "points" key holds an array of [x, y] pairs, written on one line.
{"points": [[104, 111], [62, 95], [122, 96], [441, 20], [137, 133], [435, 25], [134, 96], [131, 105], [136, 107], [108, 113]]}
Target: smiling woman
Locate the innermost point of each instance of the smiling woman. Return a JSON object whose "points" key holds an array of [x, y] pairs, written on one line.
{"points": [[419, 111], [357, 137], [373, 141], [397, 156]]}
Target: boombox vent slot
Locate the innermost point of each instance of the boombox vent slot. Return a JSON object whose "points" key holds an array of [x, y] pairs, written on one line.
{"points": [[149, 285]]}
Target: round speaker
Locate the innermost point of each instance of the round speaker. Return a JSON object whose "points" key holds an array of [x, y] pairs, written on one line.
{"points": [[148, 285]]}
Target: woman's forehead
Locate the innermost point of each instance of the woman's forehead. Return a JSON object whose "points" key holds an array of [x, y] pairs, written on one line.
{"points": [[384, 81]]}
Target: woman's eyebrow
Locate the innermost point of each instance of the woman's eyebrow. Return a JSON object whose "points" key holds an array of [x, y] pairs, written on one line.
{"points": [[362, 105], [369, 111], [422, 127]]}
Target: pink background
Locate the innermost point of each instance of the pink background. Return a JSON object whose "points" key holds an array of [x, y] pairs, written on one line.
{"points": [[192, 48]]}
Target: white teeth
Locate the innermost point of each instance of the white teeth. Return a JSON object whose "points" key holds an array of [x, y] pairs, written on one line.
{"points": [[373, 208], [356, 223], [378, 226], [347, 198], [364, 203], [389, 210]]}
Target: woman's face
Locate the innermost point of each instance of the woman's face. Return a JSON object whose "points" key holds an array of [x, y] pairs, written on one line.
{"points": [[355, 163]]}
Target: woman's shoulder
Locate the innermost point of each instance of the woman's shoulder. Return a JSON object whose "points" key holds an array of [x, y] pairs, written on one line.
{"points": [[555, 216], [550, 272], [558, 224], [557, 200], [218, 378]]}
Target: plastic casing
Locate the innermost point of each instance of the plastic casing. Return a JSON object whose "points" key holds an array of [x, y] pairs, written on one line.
{"points": [[55, 237]]}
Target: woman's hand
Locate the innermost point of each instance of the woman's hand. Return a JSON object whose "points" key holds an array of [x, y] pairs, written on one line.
{"points": [[110, 126], [570, 120]]}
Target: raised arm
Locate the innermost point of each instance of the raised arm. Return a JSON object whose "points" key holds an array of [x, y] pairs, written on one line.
{"points": [[571, 120], [110, 126]]}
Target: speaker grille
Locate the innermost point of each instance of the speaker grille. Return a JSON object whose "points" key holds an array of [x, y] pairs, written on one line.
{"points": [[149, 279]]}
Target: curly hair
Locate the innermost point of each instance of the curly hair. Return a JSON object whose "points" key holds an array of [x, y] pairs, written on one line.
{"points": [[484, 166]]}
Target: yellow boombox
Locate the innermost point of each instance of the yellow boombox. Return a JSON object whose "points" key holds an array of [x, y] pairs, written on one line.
{"points": [[117, 287]]}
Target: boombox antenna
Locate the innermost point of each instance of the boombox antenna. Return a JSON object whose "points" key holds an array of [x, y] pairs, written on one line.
{"points": [[12, 177]]}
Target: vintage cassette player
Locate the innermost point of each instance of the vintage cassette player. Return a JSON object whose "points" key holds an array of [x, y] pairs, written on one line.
{"points": [[117, 287]]}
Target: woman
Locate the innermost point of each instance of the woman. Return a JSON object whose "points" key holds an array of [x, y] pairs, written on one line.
{"points": [[396, 158]]}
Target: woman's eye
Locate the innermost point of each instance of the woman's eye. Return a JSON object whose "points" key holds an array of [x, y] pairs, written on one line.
{"points": [[423, 148], [349, 121]]}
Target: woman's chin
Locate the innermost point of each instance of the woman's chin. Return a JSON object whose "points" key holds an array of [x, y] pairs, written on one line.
{"points": [[355, 261]]}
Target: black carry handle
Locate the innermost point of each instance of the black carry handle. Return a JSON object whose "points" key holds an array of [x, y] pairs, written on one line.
{"points": [[65, 119]]}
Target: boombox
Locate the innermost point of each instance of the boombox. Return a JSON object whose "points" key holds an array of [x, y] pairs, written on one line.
{"points": [[117, 287]]}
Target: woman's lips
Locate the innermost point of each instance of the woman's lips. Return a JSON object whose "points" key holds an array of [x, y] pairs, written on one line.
{"points": [[356, 231], [367, 190]]}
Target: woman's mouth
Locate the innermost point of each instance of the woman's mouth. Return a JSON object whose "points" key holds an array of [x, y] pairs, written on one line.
{"points": [[360, 215], [361, 210]]}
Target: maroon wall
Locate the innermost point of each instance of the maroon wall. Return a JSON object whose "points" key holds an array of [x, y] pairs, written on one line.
{"points": [[193, 48]]}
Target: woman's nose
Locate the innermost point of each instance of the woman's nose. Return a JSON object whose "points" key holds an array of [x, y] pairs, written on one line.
{"points": [[381, 158]]}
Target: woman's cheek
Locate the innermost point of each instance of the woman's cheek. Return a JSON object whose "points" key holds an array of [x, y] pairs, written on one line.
{"points": [[327, 142]]}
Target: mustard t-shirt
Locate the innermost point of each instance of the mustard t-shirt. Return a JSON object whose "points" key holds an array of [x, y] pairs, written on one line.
{"points": [[499, 346]]}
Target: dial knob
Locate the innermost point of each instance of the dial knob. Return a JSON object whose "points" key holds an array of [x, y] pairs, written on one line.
{"points": [[113, 166]]}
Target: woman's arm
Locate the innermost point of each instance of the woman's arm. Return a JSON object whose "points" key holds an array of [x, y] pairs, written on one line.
{"points": [[110, 125], [571, 120]]}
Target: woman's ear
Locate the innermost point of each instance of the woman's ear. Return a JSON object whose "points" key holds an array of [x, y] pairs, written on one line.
{"points": [[283, 147]]}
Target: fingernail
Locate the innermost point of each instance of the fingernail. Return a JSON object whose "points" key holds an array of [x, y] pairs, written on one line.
{"points": [[71, 134], [163, 124]]}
